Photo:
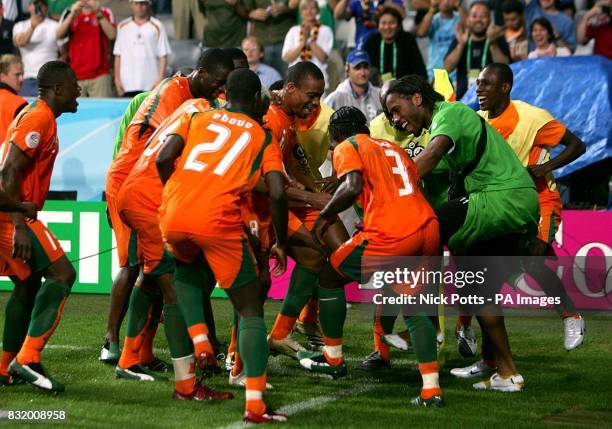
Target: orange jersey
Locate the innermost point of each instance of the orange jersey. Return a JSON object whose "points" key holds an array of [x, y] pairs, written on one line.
{"points": [[549, 135], [34, 131], [394, 206], [159, 105], [142, 189], [225, 154]]}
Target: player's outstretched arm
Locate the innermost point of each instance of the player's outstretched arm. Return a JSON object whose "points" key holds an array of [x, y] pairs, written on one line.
{"points": [[574, 148], [15, 165], [432, 155], [172, 148]]}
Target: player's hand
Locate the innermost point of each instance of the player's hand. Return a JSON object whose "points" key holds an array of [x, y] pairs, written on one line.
{"points": [[329, 184], [537, 171], [319, 200], [279, 253], [29, 210], [319, 229], [22, 245], [296, 184]]}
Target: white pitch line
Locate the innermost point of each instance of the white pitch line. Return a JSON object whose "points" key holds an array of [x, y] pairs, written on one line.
{"points": [[86, 137], [313, 403]]}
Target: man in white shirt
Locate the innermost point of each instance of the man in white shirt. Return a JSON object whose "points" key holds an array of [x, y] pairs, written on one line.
{"points": [[35, 38], [254, 52], [141, 51], [356, 90]]}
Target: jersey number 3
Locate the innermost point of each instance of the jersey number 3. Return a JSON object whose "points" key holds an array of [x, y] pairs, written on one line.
{"points": [[400, 170], [223, 135]]}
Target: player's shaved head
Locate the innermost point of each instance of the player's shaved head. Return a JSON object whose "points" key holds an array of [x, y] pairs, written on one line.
{"points": [[53, 73], [503, 72], [303, 89], [299, 72], [243, 85], [58, 86], [346, 122], [215, 60], [238, 57]]}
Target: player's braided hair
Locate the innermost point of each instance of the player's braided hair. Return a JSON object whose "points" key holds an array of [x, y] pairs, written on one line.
{"points": [[412, 84], [346, 122]]}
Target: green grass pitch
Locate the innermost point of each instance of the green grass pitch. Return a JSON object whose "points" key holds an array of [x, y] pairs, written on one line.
{"points": [[562, 389]]}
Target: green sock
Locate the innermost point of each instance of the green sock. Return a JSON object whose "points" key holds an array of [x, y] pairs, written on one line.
{"points": [[189, 281], [332, 311], [423, 335], [237, 324], [179, 342], [47, 307], [16, 321], [302, 285], [253, 345], [138, 311]]}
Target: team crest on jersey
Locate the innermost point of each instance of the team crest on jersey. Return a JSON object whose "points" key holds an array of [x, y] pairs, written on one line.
{"points": [[32, 140]]}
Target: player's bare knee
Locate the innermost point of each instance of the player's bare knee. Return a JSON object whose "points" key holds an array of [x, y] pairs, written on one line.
{"points": [[61, 271]]}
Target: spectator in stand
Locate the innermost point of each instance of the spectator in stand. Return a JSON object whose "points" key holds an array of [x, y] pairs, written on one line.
{"points": [[597, 24], [543, 35], [225, 23], [15, 10], [6, 33], [356, 90], [255, 53], [188, 18], [515, 33], [35, 38], [271, 20], [309, 41], [392, 50], [478, 44], [57, 8], [11, 79], [141, 51], [563, 26], [366, 14], [89, 28], [439, 25]]}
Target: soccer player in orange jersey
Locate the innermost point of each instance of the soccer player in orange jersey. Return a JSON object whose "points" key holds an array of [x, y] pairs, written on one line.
{"points": [[299, 100], [28, 250], [208, 163], [138, 202], [531, 131], [381, 176], [206, 81]]}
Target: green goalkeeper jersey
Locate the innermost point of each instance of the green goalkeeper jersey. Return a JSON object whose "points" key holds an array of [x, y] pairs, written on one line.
{"points": [[127, 118]]}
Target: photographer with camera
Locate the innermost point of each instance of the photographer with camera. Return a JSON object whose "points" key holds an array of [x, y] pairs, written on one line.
{"points": [[597, 24], [35, 38]]}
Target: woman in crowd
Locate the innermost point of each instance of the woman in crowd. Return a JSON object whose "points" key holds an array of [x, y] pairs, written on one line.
{"points": [[543, 36], [309, 41]]}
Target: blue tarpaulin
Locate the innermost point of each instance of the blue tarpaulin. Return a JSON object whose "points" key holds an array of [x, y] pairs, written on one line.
{"points": [[575, 90], [86, 140]]}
